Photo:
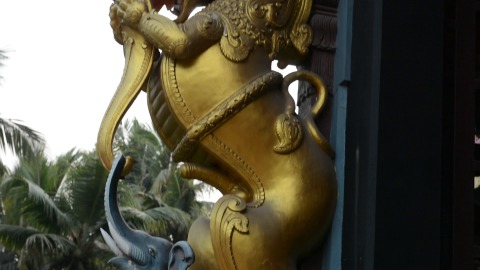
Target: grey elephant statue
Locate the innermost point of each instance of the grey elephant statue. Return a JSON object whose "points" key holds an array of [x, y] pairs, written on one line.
{"points": [[135, 249]]}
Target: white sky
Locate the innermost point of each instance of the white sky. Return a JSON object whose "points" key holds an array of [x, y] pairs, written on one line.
{"points": [[63, 68]]}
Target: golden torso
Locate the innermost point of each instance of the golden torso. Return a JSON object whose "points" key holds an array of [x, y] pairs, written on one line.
{"points": [[217, 105], [288, 197]]}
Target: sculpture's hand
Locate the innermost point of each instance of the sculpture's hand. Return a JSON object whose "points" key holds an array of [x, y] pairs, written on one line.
{"points": [[126, 12], [115, 23]]}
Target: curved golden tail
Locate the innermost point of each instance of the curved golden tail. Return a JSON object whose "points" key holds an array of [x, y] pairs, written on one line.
{"points": [[317, 108]]}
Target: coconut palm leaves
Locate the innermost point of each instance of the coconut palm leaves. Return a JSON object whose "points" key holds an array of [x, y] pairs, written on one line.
{"points": [[86, 185], [166, 203], [3, 57], [155, 172], [139, 141], [52, 220], [54, 209], [20, 139]]}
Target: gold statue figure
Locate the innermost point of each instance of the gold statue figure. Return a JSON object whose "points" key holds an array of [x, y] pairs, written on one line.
{"points": [[216, 103]]}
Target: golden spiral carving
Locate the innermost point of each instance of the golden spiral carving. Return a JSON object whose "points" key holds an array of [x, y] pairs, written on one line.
{"points": [[227, 217]]}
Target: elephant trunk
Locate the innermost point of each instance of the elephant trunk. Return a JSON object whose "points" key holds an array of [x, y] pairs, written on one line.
{"points": [[138, 61], [136, 249], [123, 236]]}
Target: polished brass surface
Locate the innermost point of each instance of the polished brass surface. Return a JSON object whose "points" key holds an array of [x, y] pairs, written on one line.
{"points": [[217, 105]]}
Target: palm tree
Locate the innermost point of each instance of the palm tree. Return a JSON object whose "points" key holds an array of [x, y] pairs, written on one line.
{"points": [[3, 57], [54, 211], [155, 171], [21, 141], [19, 138], [141, 142], [14, 135], [163, 194]]}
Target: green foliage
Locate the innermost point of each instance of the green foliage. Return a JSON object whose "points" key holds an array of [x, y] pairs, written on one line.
{"points": [[155, 172], [32, 204], [140, 142], [86, 185], [54, 209], [19, 138], [47, 221], [154, 197], [3, 57]]}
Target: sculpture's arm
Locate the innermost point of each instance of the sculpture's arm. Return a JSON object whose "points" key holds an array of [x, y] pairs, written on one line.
{"points": [[175, 40], [183, 40]]}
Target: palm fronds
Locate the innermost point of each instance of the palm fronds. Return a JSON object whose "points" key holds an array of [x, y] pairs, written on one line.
{"points": [[19, 138], [34, 245], [58, 229], [163, 221], [39, 170], [3, 169], [55, 209], [32, 203], [41, 244], [14, 237], [3, 57], [87, 181]]}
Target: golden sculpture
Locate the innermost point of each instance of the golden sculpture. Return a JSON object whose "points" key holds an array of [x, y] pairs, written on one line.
{"points": [[217, 105]]}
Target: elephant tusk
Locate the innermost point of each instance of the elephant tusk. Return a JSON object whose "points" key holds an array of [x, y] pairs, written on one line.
{"points": [[111, 243], [119, 240], [130, 250]]}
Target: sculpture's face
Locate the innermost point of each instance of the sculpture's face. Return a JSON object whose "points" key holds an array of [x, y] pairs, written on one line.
{"points": [[269, 14], [285, 22]]}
